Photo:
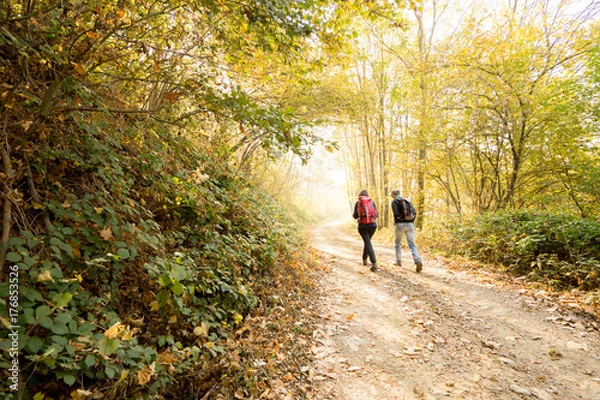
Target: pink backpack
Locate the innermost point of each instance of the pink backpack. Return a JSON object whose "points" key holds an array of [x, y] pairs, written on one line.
{"points": [[367, 213]]}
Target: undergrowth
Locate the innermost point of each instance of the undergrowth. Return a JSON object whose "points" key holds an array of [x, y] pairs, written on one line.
{"points": [[139, 268], [560, 251]]}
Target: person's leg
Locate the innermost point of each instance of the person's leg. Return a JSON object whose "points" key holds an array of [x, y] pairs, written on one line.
{"points": [[370, 250], [364, 234], [398, 243], [410, 239]]}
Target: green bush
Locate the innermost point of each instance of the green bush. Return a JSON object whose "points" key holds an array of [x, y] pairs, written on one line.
{"points": [[151, 248], [561, 250]]}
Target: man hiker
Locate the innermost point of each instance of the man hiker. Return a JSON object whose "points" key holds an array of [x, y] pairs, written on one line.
{"points": [[366, 213], [404, 217]]}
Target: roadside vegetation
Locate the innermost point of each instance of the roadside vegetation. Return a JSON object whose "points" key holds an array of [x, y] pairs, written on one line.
{"points": [[154, 264], [559, 251]]}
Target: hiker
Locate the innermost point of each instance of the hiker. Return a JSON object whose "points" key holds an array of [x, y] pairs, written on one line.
{"points": [[366, 213], [404, 217]]}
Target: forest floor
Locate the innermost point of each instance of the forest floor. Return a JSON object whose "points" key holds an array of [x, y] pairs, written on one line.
{"points": [[448, 332]]}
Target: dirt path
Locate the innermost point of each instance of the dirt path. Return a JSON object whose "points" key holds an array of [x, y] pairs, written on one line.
{"points": [[442, 334]]}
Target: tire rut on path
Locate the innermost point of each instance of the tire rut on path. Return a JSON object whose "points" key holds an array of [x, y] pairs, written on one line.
{"points": [[440, 334]]}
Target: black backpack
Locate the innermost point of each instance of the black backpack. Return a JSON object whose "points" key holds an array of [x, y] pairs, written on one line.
{"points": [[406, 208]]}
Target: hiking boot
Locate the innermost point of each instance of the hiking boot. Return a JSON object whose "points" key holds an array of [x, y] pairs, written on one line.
{"points": [[419, 265], [374, 267], [398, 263]]}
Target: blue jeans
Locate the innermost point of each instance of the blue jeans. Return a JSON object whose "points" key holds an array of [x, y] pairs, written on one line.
{"points": [[408, 229]]}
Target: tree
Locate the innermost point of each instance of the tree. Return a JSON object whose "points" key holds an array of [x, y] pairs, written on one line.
{"points": [[513, 88], [371, 120], [412, 92]]}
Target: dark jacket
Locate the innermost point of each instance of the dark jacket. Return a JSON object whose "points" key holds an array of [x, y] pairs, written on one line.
{"points": [[355, 214], [397, 210]]}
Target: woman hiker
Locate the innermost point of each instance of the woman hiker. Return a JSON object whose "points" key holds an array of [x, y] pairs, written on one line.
{"points": [[366, 213]]}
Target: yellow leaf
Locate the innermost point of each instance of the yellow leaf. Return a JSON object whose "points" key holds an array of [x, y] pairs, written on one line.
{"points": [[114, 330], [173, 319], [80, 394], [201, 330], [124, 375], [154, 305], [78, 68], [237, 318], [45, 277], [145, 374], [106, 233], [98, 210], [350, 317], [128, 333]]}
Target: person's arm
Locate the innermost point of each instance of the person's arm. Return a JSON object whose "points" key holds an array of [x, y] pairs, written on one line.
{"points": [[355, 215]]}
